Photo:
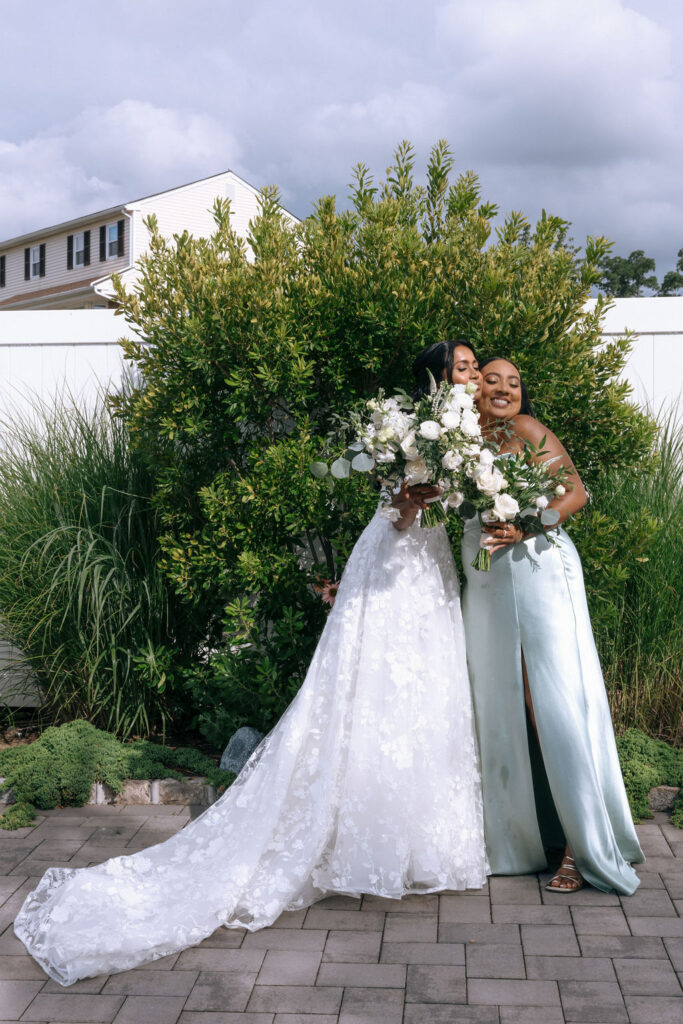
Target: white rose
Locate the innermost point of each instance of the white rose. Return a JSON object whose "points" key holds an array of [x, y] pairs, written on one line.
{"points": [[505, 506], [471, 388], [560, 490], [455, 499], [452, 460], [486, 457], [465, 401], [431, 430], [417, 472], [384, 456], [469, 424], [450, 419], [490, 481], [408, 446], [541, 502], [471, 450]]}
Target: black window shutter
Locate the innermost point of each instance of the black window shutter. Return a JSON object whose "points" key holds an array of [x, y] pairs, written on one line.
{"points": [[42, 260], [27, 264], [120, 236], [2, 271], [86, 248], [69, 252], [103, 242]]}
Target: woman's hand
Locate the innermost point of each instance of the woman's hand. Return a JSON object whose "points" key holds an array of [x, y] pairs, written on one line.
{"points": [[502, 534], [409, 501]]}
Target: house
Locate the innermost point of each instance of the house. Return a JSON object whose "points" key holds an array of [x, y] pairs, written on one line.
{"points": [[69, 265]]}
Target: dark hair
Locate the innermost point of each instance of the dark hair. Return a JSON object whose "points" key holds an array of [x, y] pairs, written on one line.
{"points": [[526, 408], [435, 360]]}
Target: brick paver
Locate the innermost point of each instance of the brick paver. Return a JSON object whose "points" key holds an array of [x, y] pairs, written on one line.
{"points": [[509, 954]]}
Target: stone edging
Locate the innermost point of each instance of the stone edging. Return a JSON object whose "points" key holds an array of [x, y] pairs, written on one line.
{"points": [[196, 790]]}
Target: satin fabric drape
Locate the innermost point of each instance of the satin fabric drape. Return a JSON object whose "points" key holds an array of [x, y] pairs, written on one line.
{"points": [[533, 600]]}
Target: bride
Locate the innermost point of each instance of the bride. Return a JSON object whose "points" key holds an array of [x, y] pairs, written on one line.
{"points": [[369, 783]]}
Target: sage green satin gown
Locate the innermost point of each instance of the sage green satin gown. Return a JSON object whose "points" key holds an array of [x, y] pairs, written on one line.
{"points": [[533, 600]]}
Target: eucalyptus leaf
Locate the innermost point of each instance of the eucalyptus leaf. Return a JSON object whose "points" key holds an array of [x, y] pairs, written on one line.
{"points": [[357, 446], [340, 469], [363, 463], [550, 516], [319, 470]]}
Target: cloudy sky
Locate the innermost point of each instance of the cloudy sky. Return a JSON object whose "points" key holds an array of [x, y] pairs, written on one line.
{"points": [[571, 105]]}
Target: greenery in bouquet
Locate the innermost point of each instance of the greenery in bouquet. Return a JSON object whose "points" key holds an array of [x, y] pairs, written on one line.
{"points": [[513, 488]]}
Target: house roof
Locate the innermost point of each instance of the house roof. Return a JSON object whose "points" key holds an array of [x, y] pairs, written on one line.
{"points": [[77, 222]]}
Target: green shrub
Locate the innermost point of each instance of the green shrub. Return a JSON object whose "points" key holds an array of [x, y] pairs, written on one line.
{"points": [[245, 363], [634, 581], [646, 763], [59, 769], [80, 589]]}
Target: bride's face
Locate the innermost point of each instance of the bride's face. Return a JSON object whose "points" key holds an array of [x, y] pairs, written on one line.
{"points": [[501, 391], [465, 368]]}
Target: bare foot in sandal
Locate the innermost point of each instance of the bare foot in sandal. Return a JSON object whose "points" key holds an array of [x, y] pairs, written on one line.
{"points": [[568, 877]]}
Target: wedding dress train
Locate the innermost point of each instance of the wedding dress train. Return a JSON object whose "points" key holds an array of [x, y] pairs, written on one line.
{"points": [[369, 783]]}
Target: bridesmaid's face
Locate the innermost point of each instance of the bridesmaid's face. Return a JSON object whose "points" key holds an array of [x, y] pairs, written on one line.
{"points": [[465, 368], [501, 391]]}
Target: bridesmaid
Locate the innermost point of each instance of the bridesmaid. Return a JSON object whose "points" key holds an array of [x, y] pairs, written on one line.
{"points": [[531, 652]]}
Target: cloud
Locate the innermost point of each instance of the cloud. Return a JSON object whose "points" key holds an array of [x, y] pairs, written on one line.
{"points": [[104, 156]]}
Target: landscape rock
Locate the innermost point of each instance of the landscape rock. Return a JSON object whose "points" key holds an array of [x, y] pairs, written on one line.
{"points": [[662, 798], [240, 747]]}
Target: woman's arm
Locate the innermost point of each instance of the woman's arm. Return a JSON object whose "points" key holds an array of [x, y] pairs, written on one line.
{"points": [[409, 501], [529, 429]]}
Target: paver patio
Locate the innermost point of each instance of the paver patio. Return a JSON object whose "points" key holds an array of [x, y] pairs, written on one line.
{"points": [[511, 954]]}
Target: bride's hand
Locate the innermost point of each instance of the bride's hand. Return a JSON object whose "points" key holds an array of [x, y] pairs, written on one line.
{"points": [[409, 501], [502, 535]]}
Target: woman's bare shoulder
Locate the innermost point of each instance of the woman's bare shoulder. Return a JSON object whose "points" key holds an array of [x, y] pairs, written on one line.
{"points": [[530, 429]]}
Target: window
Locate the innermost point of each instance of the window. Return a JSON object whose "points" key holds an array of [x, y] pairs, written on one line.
{"points": [[111, 240], [2, 271], [78, 250], [34, 261]]}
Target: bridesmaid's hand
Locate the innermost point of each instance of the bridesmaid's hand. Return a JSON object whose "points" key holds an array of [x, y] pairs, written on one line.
{"points": [[503, 535]]}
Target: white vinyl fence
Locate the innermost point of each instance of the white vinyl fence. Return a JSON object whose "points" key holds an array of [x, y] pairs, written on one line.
{"points": [[42, 351]]}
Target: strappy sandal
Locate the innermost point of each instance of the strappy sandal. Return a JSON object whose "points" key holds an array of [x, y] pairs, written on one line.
{"points": [[567, 882]]}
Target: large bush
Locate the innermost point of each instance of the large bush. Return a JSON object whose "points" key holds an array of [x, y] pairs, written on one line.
{"points": [[81, 592], [248, 351]]}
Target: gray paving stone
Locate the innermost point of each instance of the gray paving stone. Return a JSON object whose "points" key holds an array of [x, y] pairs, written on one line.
{"points": [[20, 968], [164, 963], [666, 927], [600, 921], [225, 938], [16, 995], [572, 968], [468, 909], [649, 903], [413, 904], [249, 960], [295, 999], [674, 885], [674, 948], [94, 1009], [345, 920], [289, 967], [648, 880], [291, 919], [647, 978], [151, 983], [10, 944], [90, 986], [509, 913], [516, 889], [531, 1015], [411, 928], [298, 1018], [150, 1009], [549, 940], [286, 938], [497, 992], [450, 954], [654, 1009], [10, 884], [221, 990], [504, 934], [340, 903], [622, 946], [659, 865], [593, 1002], [211, 1017], [352, 947], [431, 983], [363, 975], [494, 961], [364, 1005], [442, 1013]]}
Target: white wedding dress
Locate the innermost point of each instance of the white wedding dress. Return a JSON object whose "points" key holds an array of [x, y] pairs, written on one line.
{"points": [[369, 783]]}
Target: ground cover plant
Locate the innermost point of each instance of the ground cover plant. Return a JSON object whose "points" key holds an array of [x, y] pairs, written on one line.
{"points": [[81, 591], [59, 769], [645, 763], [249, 351]]}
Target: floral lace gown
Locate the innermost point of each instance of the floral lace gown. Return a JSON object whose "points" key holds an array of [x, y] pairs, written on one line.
{"points": [[369, 783]]}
